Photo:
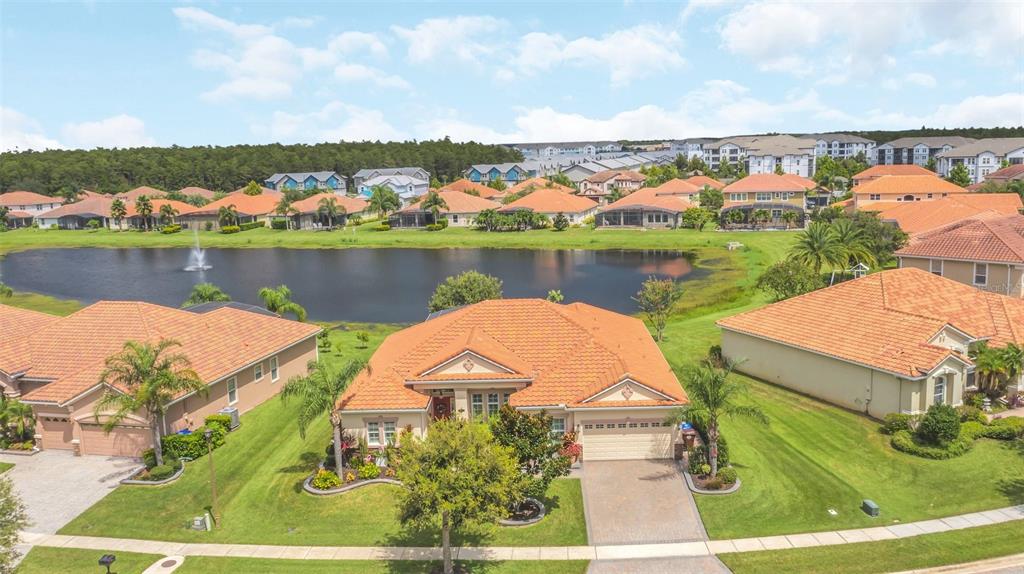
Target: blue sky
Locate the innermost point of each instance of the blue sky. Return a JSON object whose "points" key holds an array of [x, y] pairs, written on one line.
{"points": [[126, 74]]}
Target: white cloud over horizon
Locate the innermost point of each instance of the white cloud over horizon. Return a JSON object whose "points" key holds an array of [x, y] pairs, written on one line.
{"points": [[19, 132]]}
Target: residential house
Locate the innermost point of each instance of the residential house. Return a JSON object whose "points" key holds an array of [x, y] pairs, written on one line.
{"points": [[982, 157], [1001, 177], [767, 192], [599, 374], [307, 212], [985, 251], [462, 209], [306, 181], [876, 171], [24, 206], [702, 180], [682, 188], [510, 173], [902, 188], [77, 215], [198, 191], [369, 173], [250, 208], [143, 190], [536, 183], [134, 220], [916, 150], [472, 188], [406, 187], [842, 146], [551, 202], [578, 172], [922, 216], [54, 364], [648, 208], [790, 154], [603, 183], [903, 347]]}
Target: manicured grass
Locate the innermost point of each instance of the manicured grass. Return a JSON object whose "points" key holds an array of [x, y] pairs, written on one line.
{"points": [[43, 560], [5, 466], [42, 303], [889, 556]]}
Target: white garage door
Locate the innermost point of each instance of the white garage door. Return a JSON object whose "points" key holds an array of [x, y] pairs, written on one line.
{"points": [[121, 441], [621, 440]]}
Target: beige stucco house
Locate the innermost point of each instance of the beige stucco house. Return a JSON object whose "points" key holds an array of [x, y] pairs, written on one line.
{"points": [[891, 342], [598, 373]]}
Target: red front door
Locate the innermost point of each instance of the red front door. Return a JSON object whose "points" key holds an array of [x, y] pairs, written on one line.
{"points": [[442, 407]]}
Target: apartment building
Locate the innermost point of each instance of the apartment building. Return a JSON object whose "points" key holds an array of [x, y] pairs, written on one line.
{"points": [[842, 146], [982, 157], [916, 150], [760, 154]]}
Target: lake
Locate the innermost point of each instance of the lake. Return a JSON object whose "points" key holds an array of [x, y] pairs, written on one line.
{"points": [[363, 285]]}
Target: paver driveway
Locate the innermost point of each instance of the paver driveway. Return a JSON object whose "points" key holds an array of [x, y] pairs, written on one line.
{"points": [[57, 486], [639, 502], [690, 565]]}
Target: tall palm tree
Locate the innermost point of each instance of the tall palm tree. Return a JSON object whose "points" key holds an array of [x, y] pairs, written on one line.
{"points": [[713, 396], [284, 207], [383, 200], [227, 215], [17, 416], [434, 203], [144, 207], [167, 214], [761, 216], [118, 211], [5, 291], [328, 207], [279, 300], [147, 378], [817, 246], [853, 243], [205, 293], [990, 365], [318, 393], [789, 217], [1013, 355]]}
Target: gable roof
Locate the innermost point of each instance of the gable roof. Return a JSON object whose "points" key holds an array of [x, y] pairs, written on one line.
{"points": [[997, 146], [535, 183], [651, 197], [12, 198], [93, 205], [245, 204], [366, 172], [397, 180], [892, 317], [920, 216], [464, 185], [458, 202], [581, 351], [766, 182], [616, 174], [301, 176], [133, 194], [312, 203], [930, 141], [907, 184], [200, 191], [181, 207], [18, 325], [678, 186], [988, 237], [1015, 171], [895, 169], [701, 180], [548, 200]]}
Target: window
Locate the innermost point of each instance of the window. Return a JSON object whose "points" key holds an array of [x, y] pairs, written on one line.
{"points": [[939, 392], [644, 425], [257, 371], [981, 274], [632, 425], [762, 196], [492, 404], [776, 214], [557, 427], [737, 197], [972, 380], [373, 433], [622, 425], [389, 432], [875, 196], [588, 427], [504, 398], [274, 374], [232, 391], [599, 425], [478, 405], [455, 218], [935, 266]]}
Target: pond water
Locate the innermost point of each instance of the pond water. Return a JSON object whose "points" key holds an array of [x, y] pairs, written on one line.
{"points": [[371, 285]]}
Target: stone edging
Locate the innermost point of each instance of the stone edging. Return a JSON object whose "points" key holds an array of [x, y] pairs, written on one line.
{"points": [[308, 487], [534, 520], [31, 452], [693, 487], [177, 474]]}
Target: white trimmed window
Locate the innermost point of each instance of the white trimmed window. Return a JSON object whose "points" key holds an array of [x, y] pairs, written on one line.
{"points": [[763, 196], [274, 371], [935, 266], [557, 427], [981, 274], [389, 432], [232, 391], [737, 197], [875, 196], [939, 391], [373, 433], [257, 371], [504, 398], [478, 405], [493, 404]]}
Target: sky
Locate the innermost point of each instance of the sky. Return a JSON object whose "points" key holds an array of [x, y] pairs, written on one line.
{"points": [[126, 74]]}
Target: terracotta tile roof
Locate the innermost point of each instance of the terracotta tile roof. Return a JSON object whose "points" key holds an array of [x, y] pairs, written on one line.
{"points": [[880, 170], [18, 215], [134, 194], [651, 197], [548, 200], [678, 186], [98, 205], [12, 198], [464, 185], [200, 191], [1009, 172], [765, 182], [803, 182], [70, 351], [312, 203], [616, 174], [580, 351], [182, 207], [265, 190], [891, 317], [986, 237], [537, 183], [18, 325], [919, 216], [895, 185], [458, 202], [244, 204], [701, 180]]}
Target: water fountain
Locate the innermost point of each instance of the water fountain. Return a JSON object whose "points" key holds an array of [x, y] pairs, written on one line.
{"points": [[197, 257]]}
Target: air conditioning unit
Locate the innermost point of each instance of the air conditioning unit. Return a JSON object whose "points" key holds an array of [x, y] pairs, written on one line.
{"points": [[233, 413]]}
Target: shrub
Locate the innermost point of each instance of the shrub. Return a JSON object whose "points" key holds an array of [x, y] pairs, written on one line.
{"points": [[939, 425], [903, 441], [705, 469], [325, 480], [354, 220], [1007, 428], [971, 430], [228, 229], [161, 472], [224, 421], [714, 483], [382, 227], [974, 399], [968, 413], [369, 471], [435, 227], [169, 229], [192, 445], [278, 223], [727, 475], [349, 476], [208, 225], [895, 422], [149, 458], [588, 221], [252, 225]]}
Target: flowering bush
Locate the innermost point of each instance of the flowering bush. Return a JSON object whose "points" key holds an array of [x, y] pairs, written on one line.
{"points": [[350, 476], [572, 450], [369, 471], [325, 480]]}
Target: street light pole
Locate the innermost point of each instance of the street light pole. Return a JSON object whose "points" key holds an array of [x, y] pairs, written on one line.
{"points": [[208, 435]]}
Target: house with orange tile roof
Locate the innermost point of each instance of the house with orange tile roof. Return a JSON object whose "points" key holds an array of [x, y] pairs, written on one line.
{"points": [[598, 373], [701, 180], [131, 195], [250, 208], [54, 364], [24, 206], [551, 202], [602, 184], [921, 216], [134, 220], [766, 193], [308, 213], [903, 345], [198, 191], [536, 183], [985, 251], [876, 171], [77, 215], [462, 209], [904, 188], [473, 188], [649, 207]]}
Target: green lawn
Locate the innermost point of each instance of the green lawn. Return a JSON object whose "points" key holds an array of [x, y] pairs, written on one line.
{"points": [[42, 303], [5, 466], [73, 561], [889, 556]]}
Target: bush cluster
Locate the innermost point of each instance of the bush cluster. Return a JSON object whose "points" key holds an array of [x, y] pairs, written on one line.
{"points": [[895, 422], [728, 475], [169, 229], [968, 413], [940, 425], [903, 441], [193, 445], [224, 421], [369, 471], [279, 224], [252, 225], [161, 472], [228, 229], [325, 480], [435, 227], [1007, 428], [382, 227]]}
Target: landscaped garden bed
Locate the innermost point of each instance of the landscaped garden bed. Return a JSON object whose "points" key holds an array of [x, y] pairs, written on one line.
{"points": [[178, 449], [530, 511], [945, 432], [25, 448], [363, 466]]}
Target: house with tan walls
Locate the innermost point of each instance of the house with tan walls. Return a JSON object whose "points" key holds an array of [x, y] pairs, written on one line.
{"points": [[598, 373], [985, 251], [647, 208], [773, 193], [876, 171], [603, 183], [891, 342], [922, 216], [250, 208], [551, 202], [905, 189], [461, 211], [307, 211], [55, 365]]}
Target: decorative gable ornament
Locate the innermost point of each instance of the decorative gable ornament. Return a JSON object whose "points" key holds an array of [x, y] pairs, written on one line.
{"points": [[468, 364], [627, 392]]}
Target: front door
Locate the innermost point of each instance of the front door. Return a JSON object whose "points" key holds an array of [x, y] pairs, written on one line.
{"points": [[442, 407]]}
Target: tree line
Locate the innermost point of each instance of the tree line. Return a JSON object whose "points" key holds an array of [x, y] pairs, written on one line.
{"points": [[230, 167]]}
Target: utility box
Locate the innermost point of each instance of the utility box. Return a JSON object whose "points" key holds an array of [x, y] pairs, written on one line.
{"points": [[203, 523], [233, 413], [870, 508]]}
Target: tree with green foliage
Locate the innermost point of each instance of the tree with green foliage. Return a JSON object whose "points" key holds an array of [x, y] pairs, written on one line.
{"points": [[497, 184], [939, 425], [529, 437], [659, 174], [561, 222], [854, 243], [318, 393], [656, 298], [434, 203], [778, 169], [328, 208], [555, 296], [560, 179], [711, 199], [284, 207], [996, 366], [959, 175], [5, 291], [144, 207], [147, 377], [253, 188], [697, 218], [737, 216], [790, 218], [615, 194], [205, 293], [435, 183], [167, 214], [464, 289], [930, 164], [118, 212], [13, 520], [456, 476], [383, 200], [364, 339], [818, 246], [279, 300], [788, 278], [17, 418], [697, 166], [227, 215], [68, 193], [761, 216]]}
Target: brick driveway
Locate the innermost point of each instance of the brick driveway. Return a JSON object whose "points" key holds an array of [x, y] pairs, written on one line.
{"points": [[639, 502]]}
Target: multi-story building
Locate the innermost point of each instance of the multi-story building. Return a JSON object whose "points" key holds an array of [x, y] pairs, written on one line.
{"points": [[590, 149], [405, 186], [917, 150], [306, 181], [603, 183], [690, 147], [578, 172], [904, 188], [769, 194], [369, 173], [760, 154], [842, 146], [982, 157]]}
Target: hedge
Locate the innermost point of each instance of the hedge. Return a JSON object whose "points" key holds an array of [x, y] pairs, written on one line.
{"points": [[227, 229], [903, 441], [279, 224], [218, 419], [169, 229], [252, 225], [193, 445]]}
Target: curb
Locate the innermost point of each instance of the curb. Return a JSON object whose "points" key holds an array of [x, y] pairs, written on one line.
{"points": [[177, 474], [693, 487], [308, 487]]}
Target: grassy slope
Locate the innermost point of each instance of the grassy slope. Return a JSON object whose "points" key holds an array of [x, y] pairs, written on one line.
{"points": [[42, 303]]}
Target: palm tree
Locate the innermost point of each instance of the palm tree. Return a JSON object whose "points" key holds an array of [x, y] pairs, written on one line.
{"points": [[145, 209], [713, 395], [817, 246], [205, 293], [1013, 355], [167, 213], [18, 416], [5, 291], [789, 217], [761, 216], [383, 200], [284, 207], [328, 207], [279, 300], [118, 211], [318, 393], [736, 216], [147, 378], [853, 243], [990, 366], [434, 203], [227, 215]]}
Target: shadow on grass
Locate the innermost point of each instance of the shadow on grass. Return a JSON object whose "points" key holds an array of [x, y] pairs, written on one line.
{"points": [[1012, 489]]}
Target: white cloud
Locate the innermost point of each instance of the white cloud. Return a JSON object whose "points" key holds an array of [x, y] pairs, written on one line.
{"points": [[465, 37], [334, 122], [199, 19], [919, 79], [19, 132], [361, 73], [121, 131], [693, 6]]}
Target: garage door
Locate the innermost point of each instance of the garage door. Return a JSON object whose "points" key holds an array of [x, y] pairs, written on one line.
{"points": [[626, 440], [122, 441], [56, 432]]}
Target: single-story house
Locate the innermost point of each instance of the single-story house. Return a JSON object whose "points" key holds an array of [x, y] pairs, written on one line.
{"points": [[473, 188], [919, 216], [134, 220], [601, 184], [406, 187], [536, 183], [309, 209], [776, 194], [904, 188], [198, 191], [551, 202], [985, 251], [598, 373], [369, 173], [876, 171], [462, 210], [645, 208], [77, 215], [250, 208], [306, 180], [1007, 174], [144, 190], [24, 206], [55, 363], [902, 347]]}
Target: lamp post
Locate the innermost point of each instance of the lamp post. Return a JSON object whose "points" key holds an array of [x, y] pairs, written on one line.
{"points": [[208, 435]]}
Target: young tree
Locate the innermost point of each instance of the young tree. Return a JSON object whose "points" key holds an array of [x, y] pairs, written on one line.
{"points": [[284, 207], [118, 212], [434, 203], [788, 278], [561, 222], [454, 477], [13, 519], [530, 439], [959, 175], [144, 207], [227, 215], [383, 200], [364, 339], [205, 293], [713, 396], [817, 246], [930, 165], [167, 213], [737, 216], [253, 188], [435, 183], [279, 300], [318, 393], [711, 199], [778, 169], [147, 378], [17, 417], [555, 296], [760, 216], [464, 289], [656, 299], [697, 218], [790, 218], [497, 184]]}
